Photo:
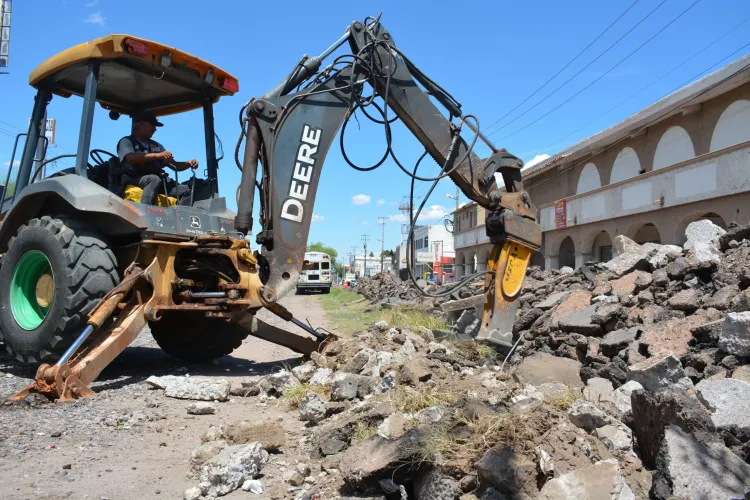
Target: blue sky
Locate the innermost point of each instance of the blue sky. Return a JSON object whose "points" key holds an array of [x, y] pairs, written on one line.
{"points": [[489, 54]]}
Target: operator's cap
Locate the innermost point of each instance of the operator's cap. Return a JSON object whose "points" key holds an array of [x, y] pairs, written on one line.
{"points": [[148, 118]]}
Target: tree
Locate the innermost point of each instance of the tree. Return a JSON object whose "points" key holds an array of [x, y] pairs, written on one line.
{"points": [[338, 269], [388, 253], [372, 254], [320, 247]]}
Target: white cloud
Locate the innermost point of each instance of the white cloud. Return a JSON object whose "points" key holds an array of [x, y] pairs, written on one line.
{"points": [[360, 199], [380, 203], [432, 213], [95, 18], [365, 223], [91, 3], [535, 160], [317, 218], [15, 163]]}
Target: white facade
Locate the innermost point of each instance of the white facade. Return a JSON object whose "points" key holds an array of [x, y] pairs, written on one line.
{"points": [[431, 244], [373, 264]]}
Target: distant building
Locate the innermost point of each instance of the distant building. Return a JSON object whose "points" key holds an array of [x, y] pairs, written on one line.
{"points": [[373, 265], [684, 158]]}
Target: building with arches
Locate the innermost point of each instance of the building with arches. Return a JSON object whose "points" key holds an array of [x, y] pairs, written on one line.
{"points": [[684, 158]]}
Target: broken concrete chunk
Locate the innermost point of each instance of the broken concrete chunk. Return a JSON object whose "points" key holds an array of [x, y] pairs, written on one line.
{"points": [[415, 371], [381, 325], [654, 410], [601, 481], [728, 400], [580, 321], [598, 390], [304, 371], [270, 433], [434, 485], [621, 397], [321, 377], [686, 300], [689, 469], [232, 466], [659, 371], [192, 388], [509, 472], [541, 367], [585, 415], [468, 324], [201, 409], [358, 362], [344, 386], [702, 231], [312, 408], [205, 452], [735, 334], [670, 337], [193, 493], [282, 380], [615, 437], [615, 341], [552, 300]]}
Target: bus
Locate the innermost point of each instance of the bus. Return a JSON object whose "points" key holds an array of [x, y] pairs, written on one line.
{"points": [[316, 274]]}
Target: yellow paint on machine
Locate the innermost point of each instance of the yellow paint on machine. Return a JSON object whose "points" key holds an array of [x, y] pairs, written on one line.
{"points": [[518, 257]]}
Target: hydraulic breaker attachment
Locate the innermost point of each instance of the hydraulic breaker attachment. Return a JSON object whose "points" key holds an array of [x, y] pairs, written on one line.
{"points": [[516, 238]]}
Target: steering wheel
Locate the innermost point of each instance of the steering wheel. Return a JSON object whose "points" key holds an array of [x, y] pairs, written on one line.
{"points": [[96, 156]]}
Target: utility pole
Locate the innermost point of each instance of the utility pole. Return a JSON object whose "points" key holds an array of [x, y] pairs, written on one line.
{"points": [[381, 220], [354, 259], [365, 237]]}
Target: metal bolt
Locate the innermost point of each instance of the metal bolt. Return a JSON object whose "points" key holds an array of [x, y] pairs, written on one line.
{"points": [[386, 36], [357, 26], [259, 105]]}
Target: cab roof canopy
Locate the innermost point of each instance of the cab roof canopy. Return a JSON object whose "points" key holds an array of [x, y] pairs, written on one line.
{"points": [[135, 75]]}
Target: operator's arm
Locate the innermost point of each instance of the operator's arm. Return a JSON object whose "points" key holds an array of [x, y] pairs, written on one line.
{"points": [[126, 152], [184, 165]]}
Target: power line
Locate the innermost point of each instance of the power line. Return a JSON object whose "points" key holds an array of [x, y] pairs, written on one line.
{"points": [[582, 69], [568, 64], [657, 81], [600, 77], [651, 122]]}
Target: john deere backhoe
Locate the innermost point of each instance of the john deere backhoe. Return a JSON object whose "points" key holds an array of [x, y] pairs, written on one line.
{"points": [[83, 270]]}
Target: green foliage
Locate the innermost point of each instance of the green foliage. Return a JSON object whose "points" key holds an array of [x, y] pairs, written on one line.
{"points": [[10, 190], [362, 432], [338, 269], [388, 253], [320, 247]]}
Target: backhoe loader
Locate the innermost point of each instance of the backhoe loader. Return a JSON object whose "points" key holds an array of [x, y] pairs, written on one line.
{"points": [[83, 269]]}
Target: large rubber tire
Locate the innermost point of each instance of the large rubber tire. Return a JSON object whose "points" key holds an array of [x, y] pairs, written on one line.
{"points": [[193, 337], [83, 270]]}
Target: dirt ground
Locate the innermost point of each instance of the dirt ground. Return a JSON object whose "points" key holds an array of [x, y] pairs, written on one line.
{"points": [[131, 442]]}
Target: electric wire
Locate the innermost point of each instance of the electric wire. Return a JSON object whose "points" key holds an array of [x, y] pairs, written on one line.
{"points": [[566, 66], [581, 70], [599, 77]]}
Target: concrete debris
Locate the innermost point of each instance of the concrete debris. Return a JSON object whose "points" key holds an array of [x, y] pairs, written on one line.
{"points": [[191, 388], [434, 485], [312, 408], [653, 411], [588, 417], [344, 386], [253, 486], [702, 231], [321, 377], [656, 372], [232, 466], [687, 468], [304, 372], [729, 402], [201, 409], [735, 334], [601, 481], [193, 493], [270, 433], [542, 367], [282, 380]]}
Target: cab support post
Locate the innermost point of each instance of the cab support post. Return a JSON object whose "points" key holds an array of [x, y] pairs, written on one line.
{"points": [[87, 119], [211, 165], [41, 100]]}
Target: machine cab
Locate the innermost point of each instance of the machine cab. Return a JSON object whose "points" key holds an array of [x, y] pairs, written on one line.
{"points": [[127, 76]]}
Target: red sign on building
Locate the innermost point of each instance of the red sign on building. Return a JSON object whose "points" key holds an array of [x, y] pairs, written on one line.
{"points": [[561, 218]]}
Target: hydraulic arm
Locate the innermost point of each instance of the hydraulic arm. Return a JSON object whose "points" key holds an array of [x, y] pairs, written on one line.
{"points": [[290, 129]]}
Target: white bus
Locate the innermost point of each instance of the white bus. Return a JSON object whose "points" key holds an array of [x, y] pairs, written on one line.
{"points": [[316, 274]]}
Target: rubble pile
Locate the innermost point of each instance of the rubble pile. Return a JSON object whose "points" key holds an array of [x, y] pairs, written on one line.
{"points": [[631, 380]]}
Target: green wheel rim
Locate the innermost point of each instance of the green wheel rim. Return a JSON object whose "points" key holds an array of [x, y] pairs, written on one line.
{"points": [[24, 302]]}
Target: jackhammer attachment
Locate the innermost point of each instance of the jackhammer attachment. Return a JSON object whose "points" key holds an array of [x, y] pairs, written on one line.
{"points": [[266, 331]]}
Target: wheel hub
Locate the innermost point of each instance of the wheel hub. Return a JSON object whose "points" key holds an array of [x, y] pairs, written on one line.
{"points": [[32, 290]]}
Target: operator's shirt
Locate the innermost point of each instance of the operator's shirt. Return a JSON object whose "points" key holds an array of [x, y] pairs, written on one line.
{"points": [[130, 144]]}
